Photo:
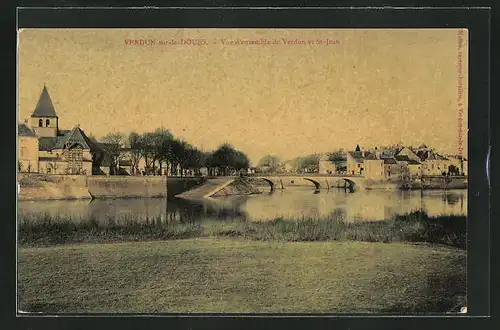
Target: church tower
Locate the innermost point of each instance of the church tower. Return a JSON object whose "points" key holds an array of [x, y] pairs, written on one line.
{"points": [[44, 120]]}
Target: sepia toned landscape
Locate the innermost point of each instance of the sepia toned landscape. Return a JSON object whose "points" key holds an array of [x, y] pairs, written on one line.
{"points": [[242, 171]]}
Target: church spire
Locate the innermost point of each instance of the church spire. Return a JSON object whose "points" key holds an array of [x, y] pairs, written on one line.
{"points": [[44, 107]]}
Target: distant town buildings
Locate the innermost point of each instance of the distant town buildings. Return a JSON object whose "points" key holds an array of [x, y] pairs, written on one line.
{"points": [[45, 148], [388, 163]]}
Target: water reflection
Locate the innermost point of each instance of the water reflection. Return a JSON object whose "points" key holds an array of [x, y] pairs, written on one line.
{"points": [[289, 203]]}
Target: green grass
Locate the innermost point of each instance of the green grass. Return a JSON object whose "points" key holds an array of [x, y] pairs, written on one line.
{"points": [[44, 230], [225, 275]]}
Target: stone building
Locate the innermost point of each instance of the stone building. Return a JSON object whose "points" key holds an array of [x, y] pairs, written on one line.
{"points": [[356, 161], [44, 148], [326, 166], [27, 149]]}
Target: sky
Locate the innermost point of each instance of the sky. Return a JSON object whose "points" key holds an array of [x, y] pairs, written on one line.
{"points": [[294, 93]]}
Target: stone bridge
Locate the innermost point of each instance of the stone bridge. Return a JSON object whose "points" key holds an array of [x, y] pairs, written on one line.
{"points": [[351, 182]]}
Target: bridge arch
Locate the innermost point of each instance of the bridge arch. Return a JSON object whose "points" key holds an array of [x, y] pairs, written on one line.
{"points": [[351, 184], [271, 183], [346, 182], [316, 183]]}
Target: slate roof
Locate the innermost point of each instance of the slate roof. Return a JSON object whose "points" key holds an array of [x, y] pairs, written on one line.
{"points": [[413, 162], [25, 130], [390, 161], [75, 137], [63, 132], [47, 143], [44, 107], [358, 156], [402, 158], [72, 137], [370, 156], [429, 155]]}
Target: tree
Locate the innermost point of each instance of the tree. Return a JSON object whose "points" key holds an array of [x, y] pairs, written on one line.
{"points": [[227, 159], [309, 163], [148, 151], [209, 163], [241, 161], [453, 170], [223, 158], [113, 145], [178, 155], [162, 140], [338, 157], [135, 142], [271, 162]]}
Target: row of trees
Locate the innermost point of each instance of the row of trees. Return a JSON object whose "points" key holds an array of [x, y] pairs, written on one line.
{"points": [[305, 164], [161, 148]]}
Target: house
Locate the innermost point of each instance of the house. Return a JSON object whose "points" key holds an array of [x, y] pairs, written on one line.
{"points": [[405, 151], [44, 148], [373, 167], [410, 161], [459, 162], [67, 154], [27, 149], [433, 163], [356, 160], [392, 169], [415, 168], [326, 166]]}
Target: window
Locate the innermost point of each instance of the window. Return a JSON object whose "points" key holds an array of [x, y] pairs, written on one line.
{"points": [[47, 123], [359, 165], [40, 123]]}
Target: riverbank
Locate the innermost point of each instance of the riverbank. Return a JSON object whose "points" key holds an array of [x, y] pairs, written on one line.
{"points": [[34, 187], [46, 230], [223, 275], [39, 187]]}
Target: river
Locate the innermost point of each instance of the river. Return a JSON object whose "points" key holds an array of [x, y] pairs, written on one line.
{"points": [[367, 205]]}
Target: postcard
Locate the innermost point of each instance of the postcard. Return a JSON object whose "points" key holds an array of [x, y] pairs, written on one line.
{"points": [[225, 170]]}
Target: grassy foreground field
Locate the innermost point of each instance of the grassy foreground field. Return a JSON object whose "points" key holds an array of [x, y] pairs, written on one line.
{"points": [[218, 274]]}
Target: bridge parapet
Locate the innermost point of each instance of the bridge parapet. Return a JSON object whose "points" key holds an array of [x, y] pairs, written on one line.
{"points": [[316, 182]]}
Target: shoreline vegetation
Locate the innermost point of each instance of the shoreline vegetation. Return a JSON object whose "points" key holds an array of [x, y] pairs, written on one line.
{"points": [[39, 230]]}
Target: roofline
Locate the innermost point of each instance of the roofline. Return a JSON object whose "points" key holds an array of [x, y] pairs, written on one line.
{"points": [[37, 116]]}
